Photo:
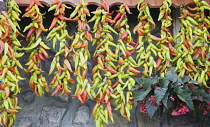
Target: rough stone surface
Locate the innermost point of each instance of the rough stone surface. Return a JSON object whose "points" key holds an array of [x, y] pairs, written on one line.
{"points": [[82, 115], [28, 96], [23, 122], [145, 121], [119, 121], [51, 116]]}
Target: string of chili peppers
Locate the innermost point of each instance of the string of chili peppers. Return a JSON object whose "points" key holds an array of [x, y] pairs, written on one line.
{"points": [[193, 45], [164, 61], [58, 32], [126, 64], [9, 74], [36, 47], [146, 53], [81, 54], [104, 71]]}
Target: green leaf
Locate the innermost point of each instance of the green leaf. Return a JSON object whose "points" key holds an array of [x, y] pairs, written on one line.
{"points": [[159, 94], [188, 97], [185, 79], [167, 102], [139, 81], [184, 94], [178, 83], [155, 80], [180, 93], [164, 83], [151, 108], [171, 75], [194, 82], [142, 93]]}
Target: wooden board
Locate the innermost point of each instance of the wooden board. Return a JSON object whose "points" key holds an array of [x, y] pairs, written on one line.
{"points": [[131, 3]]}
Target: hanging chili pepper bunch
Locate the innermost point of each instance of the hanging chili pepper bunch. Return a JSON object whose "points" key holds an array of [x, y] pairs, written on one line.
{"points": [[193, 46], [104, 71], [126, 64], [164, 60], [146, 53], [79, 47], [36, 47], [9, 74], [59, 33]]}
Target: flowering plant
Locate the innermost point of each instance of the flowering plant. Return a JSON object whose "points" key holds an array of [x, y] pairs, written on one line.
{"points": [[170, 92]]}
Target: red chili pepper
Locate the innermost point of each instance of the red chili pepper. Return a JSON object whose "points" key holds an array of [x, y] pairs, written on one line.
{"points": [[171, 49], [58, 6], [115, 84], [30, 32], [110, 20], [105, 5], [79, 96], [100, 26], [36, 90], [124, 35], [111, 70], [84, 96], [127, 53], [109, 108], [98, 34], [116, 18], [185, 13], [109, 14], [121, 62], [95, 58], [58, 87], [108, 92], [101, 97], [89, 36], [120, 20]]}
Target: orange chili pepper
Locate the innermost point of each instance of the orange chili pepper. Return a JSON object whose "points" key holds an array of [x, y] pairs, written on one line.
{"points": [[38, 3], [158, 62], [12, 111], [55, 2], [7, 91], [44, 52], [109, 107], [41, 57], [39, 31], [127, 8], [30, 6]]}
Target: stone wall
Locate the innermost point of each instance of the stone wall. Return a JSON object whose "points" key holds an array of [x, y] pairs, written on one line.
{"points": [[60, 111]]}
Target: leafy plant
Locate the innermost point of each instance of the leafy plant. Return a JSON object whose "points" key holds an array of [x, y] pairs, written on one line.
{"points": [[182, 94]]}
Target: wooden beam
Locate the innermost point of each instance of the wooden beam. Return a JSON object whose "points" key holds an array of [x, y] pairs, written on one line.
{"points": [[131, 3]]}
